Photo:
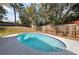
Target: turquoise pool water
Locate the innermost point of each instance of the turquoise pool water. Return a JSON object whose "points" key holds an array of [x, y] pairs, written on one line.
{"points": [[41, 42]]}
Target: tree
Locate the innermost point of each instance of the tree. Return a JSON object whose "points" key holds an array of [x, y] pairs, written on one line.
{"points": [[72, 13], [16, 7], [25, 16]]}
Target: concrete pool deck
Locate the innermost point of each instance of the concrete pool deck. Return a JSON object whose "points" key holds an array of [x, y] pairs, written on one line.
{"points": [[10, 46]]}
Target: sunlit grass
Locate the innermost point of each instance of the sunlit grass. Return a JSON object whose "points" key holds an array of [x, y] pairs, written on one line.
{"points": [[7, 30]]}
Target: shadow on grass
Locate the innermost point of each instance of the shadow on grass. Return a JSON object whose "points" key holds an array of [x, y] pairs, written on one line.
{"points": [[2, 28]]}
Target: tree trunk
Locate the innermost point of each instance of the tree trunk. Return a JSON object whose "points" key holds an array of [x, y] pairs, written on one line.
{"points": [[15, 15]]}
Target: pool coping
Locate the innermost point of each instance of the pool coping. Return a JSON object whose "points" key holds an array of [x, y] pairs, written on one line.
{"points": [[69, 43]]}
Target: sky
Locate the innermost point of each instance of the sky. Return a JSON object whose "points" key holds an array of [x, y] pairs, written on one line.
{"points": [[10, 13]]}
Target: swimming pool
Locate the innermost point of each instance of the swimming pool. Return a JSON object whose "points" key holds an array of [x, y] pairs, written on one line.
{"points": [[41, 42]]}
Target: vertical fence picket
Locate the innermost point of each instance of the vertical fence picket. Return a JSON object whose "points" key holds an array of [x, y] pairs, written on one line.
{"points": [[75, 31]]}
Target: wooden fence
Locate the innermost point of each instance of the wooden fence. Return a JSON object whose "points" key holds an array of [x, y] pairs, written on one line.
{"points": [[71, 30]]}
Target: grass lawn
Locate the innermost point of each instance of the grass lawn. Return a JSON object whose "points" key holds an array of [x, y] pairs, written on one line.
{"points": [[7, 30]]}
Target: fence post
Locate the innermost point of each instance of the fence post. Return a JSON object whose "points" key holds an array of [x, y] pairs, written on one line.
{"points": [[75, 31]]}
